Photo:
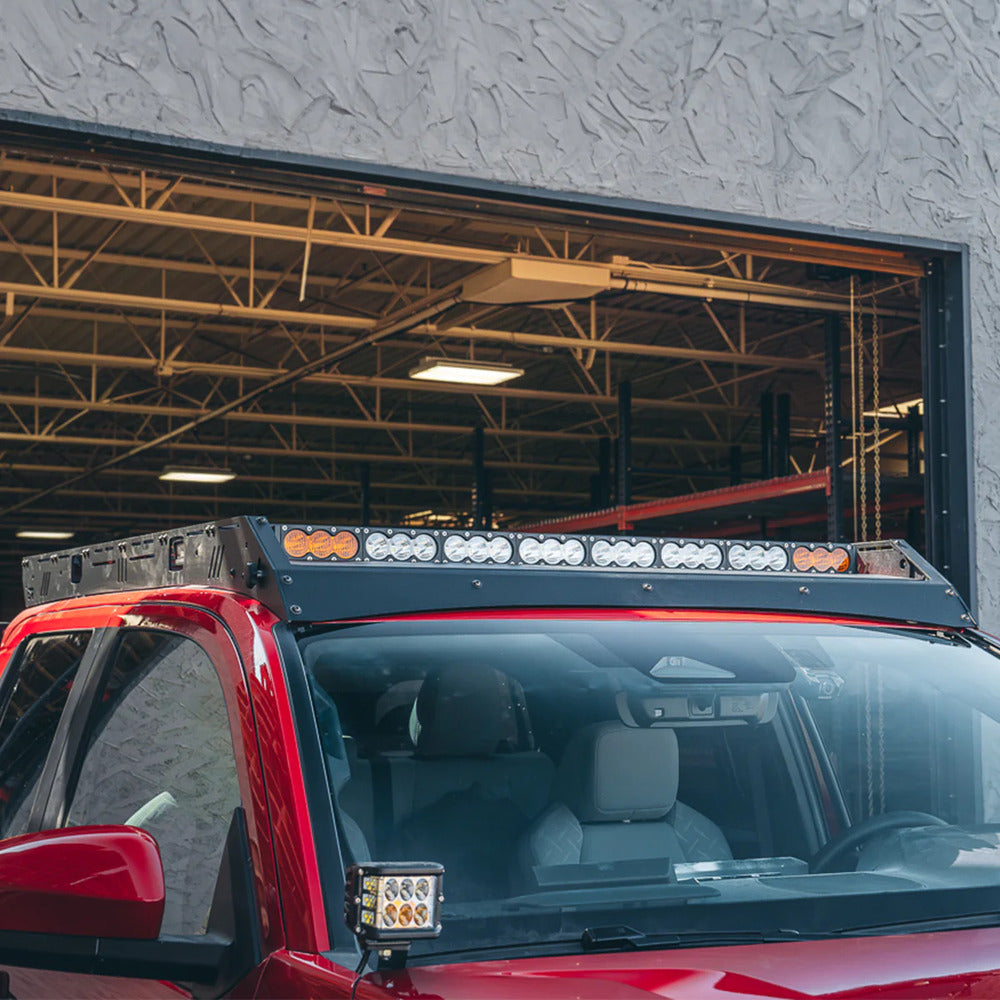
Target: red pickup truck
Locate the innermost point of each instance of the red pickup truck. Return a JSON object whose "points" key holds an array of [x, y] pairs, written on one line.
{"points": [[267, 760]]}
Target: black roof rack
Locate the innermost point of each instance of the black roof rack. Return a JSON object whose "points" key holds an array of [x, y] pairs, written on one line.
{"points": [[321, 573]]}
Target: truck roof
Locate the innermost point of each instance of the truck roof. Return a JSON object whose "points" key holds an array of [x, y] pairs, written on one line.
{"points": [[309, 573]]}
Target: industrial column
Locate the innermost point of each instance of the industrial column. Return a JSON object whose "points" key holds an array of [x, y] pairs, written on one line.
{"points": [[624, 469], [482, 516], [365, 475]]}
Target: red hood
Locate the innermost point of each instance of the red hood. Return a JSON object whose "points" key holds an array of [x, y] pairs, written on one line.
{"points": [[914, 967]]}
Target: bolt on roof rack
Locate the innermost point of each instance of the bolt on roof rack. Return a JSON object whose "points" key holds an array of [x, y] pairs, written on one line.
{"points": [[308, 572]]}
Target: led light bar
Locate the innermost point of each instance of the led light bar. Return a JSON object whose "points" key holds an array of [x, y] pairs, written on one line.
{"points": [[307, 543], [45, 535]]}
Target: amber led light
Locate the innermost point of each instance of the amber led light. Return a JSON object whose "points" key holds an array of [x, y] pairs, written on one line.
{"points": [[390, 904]]}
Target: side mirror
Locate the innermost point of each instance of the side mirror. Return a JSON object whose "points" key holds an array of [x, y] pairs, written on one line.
{"points": [[93, 881]]}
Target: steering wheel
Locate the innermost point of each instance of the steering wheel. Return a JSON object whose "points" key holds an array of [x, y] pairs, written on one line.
{"points": [[856, 835]]}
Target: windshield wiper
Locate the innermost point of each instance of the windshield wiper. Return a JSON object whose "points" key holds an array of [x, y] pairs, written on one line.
{"points": [[924, 924], [620, 937]]}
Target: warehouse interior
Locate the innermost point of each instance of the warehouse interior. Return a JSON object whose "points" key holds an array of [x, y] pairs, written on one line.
{"points": [[283, 330]]}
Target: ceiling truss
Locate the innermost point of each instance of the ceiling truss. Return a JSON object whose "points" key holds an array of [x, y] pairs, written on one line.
{"points": [[151, 317]]}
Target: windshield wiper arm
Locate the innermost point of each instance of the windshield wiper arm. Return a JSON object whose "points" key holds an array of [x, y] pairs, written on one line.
{"points": [[956, 923], [620, 937]]}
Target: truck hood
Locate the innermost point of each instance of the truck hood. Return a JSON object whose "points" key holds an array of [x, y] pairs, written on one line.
{"points": [[914, 967]]}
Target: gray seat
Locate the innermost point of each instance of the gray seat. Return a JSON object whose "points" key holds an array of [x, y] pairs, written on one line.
{"points": [[616, 791], [472, 785]]}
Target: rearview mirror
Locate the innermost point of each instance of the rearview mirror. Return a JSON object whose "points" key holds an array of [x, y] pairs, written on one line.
{"points": [[93, 881]]}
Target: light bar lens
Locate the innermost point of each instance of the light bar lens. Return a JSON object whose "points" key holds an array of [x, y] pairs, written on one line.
{"points": [[478, 549], [377, 546], [758, 558], [552, 551], [691, 555], [623, 553], [821, 559], [501, 551]]}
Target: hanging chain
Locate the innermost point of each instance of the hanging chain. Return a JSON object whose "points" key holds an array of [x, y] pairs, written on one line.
{"points": [[877, 453], [854, 413], [862, 484]]}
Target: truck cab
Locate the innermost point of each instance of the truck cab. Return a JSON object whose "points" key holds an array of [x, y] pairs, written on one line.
{"points": [[263, 760]]}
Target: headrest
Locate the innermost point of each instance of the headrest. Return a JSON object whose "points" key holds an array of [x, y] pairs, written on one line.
{"points": [[611, 772], [464, 712]]}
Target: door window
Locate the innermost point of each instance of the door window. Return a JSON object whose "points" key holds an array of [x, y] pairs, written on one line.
{"points": [[159, 755], [33, 698]]}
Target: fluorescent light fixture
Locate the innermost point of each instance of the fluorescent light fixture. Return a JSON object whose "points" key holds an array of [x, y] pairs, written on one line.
{"points": [[466, 372], [45, 536], [190, 474]]}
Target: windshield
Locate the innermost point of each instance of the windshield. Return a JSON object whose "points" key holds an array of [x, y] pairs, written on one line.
{"points": [[674, 776]]}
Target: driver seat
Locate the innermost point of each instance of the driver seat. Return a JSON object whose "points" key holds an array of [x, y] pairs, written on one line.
{"points": [[616, 792]]}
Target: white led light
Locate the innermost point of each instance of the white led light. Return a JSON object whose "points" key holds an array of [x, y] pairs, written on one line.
{"points": [[377, 546], [672, 555], [573, 551], [552, 551], [455, 548], [501, 551], [739, 557], [758, 557], [529, 551], [643, 554], [711, 556], [691, 555], [776, 559], [401, 547], [424, 548], [479, 550], [602, 552]]}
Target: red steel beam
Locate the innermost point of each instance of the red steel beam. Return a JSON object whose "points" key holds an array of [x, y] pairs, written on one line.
{"points": [[735, 529], [624, 517]]}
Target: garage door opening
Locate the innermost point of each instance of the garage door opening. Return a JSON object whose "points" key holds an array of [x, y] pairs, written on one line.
{"points": [[652, 371]]}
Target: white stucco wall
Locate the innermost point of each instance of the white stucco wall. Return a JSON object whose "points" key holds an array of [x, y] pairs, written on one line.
{"points": [[871, 114]]}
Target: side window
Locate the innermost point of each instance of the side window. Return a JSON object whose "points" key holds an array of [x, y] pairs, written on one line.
{"points": [[159, 755], [32, 701]]}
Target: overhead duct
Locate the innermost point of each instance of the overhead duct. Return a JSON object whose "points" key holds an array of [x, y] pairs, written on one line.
{"points": [[522, 281]]}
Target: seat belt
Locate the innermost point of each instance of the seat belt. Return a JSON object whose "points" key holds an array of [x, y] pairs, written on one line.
{"points": [[761, 814], [382, 805]]}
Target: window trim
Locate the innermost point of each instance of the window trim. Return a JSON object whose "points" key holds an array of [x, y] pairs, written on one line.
{"points": [[11, 674]]}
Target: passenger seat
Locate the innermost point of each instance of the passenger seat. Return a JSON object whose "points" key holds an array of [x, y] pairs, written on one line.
{"points": [[460, 799], [617, 800]]}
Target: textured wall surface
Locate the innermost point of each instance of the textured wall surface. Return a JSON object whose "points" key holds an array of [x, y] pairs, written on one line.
{"points": [[874, 114]]}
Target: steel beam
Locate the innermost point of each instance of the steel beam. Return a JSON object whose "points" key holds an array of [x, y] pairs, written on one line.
{"points": [[728, 496], [195, 307], [313, 420], [630, 276], [705, 237]]}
